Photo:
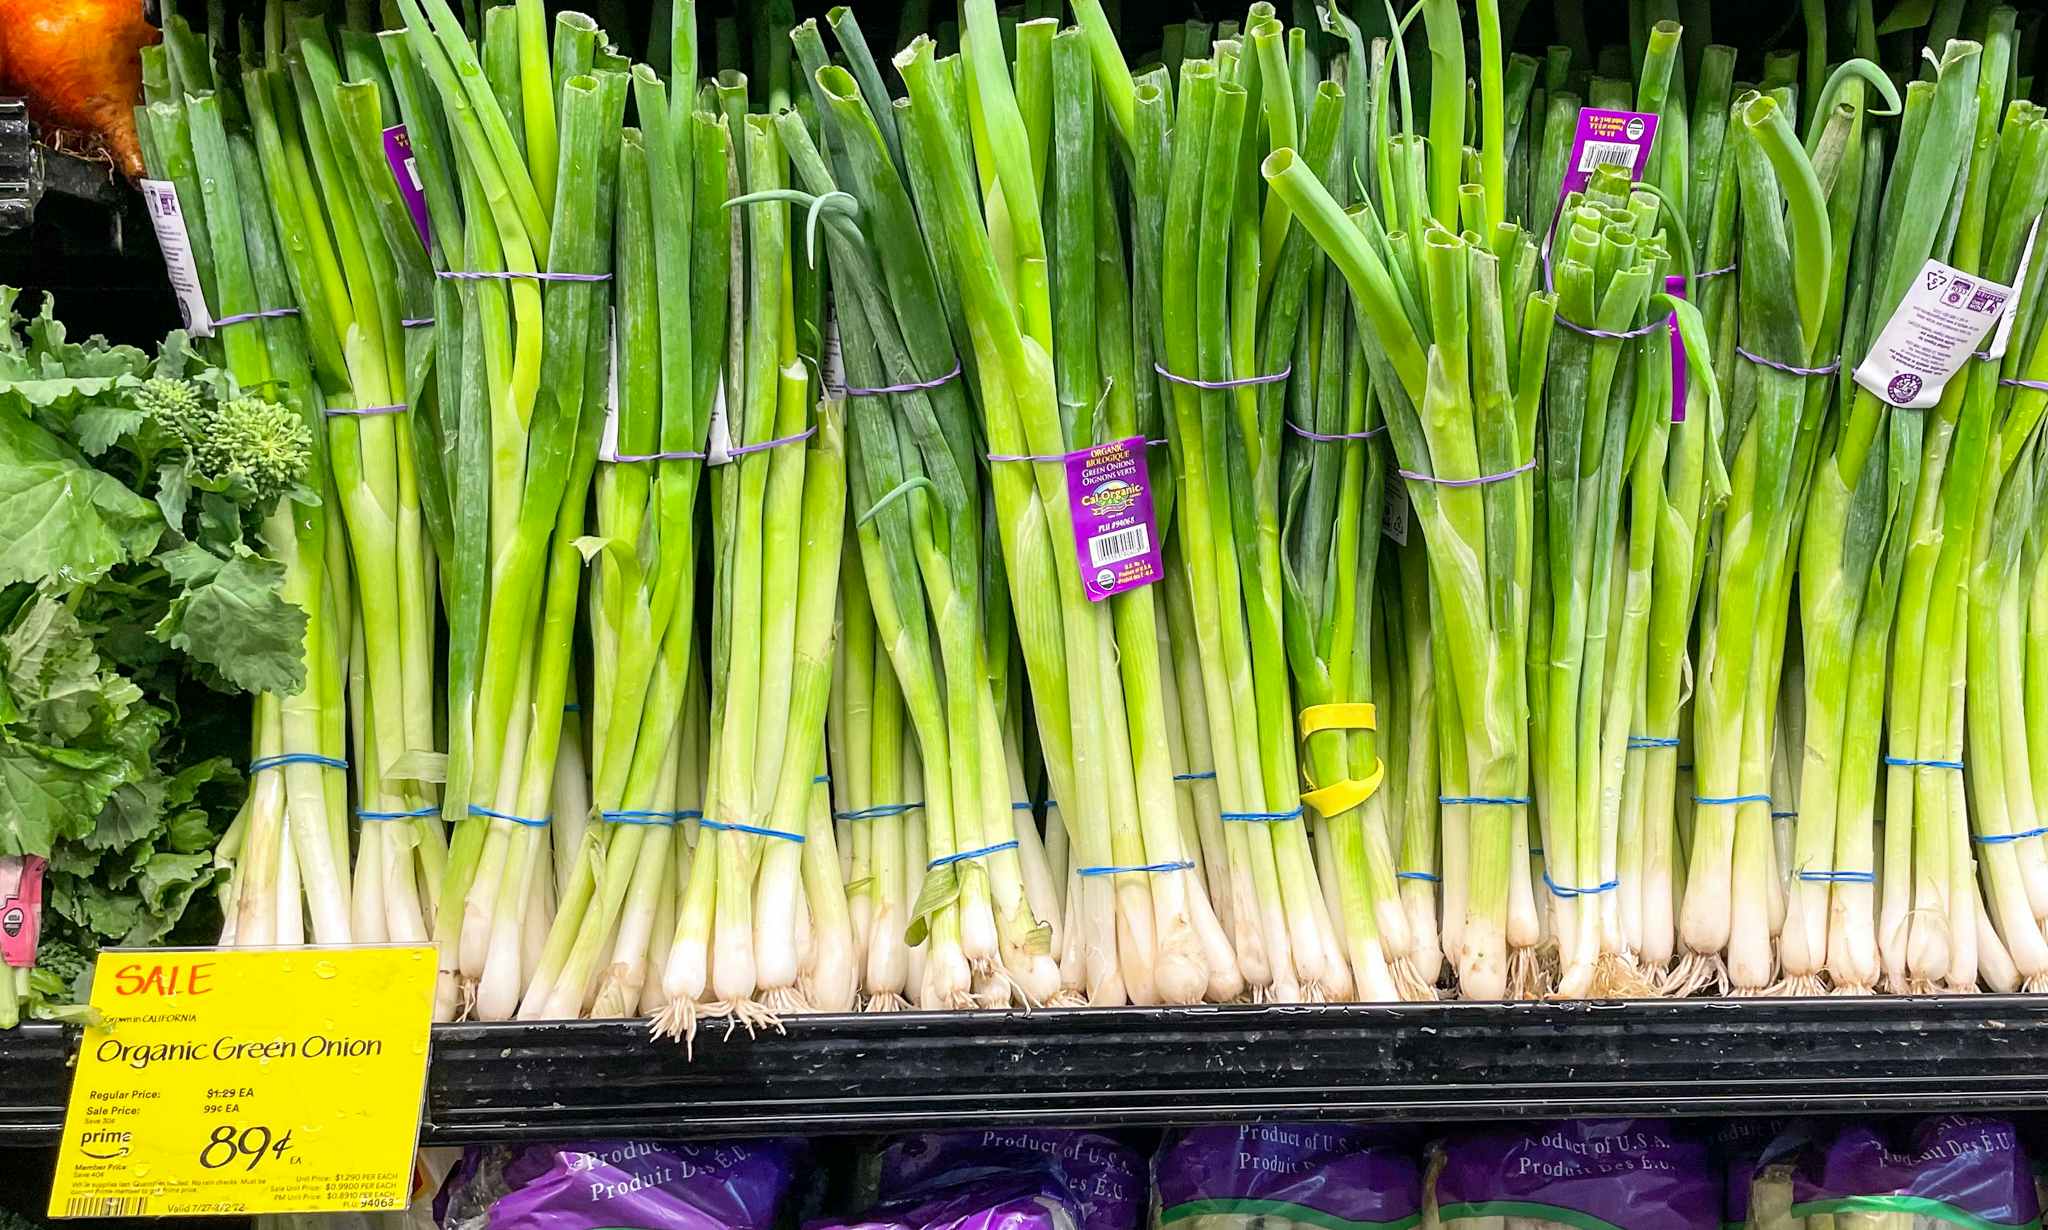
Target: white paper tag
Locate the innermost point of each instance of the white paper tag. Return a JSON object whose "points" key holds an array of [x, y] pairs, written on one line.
{"points": [[608, 450], [176, 242], [1931, 334], [2003, 337], [718, 449], [835, 359], [1394, 513]]}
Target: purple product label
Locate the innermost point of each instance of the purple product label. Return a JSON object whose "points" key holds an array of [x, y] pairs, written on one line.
{"points": [[1608, 138], [406, 174], [1616, 1174], [1961, 1169], [1339, 1176], [1675, 286], [1099, 1178], [1114, 534], [636, 1184]]}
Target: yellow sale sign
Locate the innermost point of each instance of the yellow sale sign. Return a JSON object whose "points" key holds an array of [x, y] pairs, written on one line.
{"points": [[247, 1081]]}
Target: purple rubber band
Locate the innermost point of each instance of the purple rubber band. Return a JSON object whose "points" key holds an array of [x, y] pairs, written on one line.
{"points": [[242, 317], [1503, 476], [1713, 273], [1760, 361], [473, 275], [1319, 437], [416, 324], [778, 442], [1079, 452], [336, 412], [1645, 331], [912, 387], [1275, 378], [2039, 386]]}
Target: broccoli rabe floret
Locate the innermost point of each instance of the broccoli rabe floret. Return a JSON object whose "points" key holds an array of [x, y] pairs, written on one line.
{"points": [[255, 442], [246, 442]]}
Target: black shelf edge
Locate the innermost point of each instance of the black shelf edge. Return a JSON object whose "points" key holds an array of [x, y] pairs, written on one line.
{"points": [[1100, 1067]]}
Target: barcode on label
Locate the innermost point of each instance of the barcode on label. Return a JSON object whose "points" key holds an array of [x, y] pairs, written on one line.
{"points": [[107, 1206], [1122, 545], [1607, 153]]}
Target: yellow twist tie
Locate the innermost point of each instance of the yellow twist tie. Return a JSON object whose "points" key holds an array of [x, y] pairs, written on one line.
{"points": [[1339, 797]]}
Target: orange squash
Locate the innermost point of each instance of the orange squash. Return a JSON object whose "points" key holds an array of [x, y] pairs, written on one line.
{"points": [[78, 64]]}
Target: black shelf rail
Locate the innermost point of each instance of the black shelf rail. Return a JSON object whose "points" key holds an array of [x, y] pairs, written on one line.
{"points": [[1080, 1067]]}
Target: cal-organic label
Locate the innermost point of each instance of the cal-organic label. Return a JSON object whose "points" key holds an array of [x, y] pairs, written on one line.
{"points": [[1114, 533], [2002, 338], [405, 172], [172, 236], [1608, 139], [1931, 334], [243, 1082]]}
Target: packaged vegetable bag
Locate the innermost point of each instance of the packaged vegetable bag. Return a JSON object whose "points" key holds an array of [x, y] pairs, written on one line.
{"points": [[624, 1185], [1279, 1176], [1100, 1181], [1612, 1174], [1944, 1171]]}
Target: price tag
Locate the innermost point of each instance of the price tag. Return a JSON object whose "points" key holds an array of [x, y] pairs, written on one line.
{"points": [[243, 1082], [1931, 334], [405, 172], [167, 218], [1110, 491]]}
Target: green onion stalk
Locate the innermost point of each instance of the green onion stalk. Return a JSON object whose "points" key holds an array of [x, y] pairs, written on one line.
{"points": [[362, 272], [778, 519], [1695, 482], [1458, 378], [670, 336], [521, 186], [1855, 538], [1104, 748], [1333, 484], [1929, 924], [2004, 815], [1595, 419], [918, 496], [1208, 245], [1790, 307], [293, 867], [1412, 760]]}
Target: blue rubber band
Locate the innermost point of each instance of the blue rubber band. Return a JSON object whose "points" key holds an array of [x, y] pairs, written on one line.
{"points": [[1423, 876], [1536, 850], [822, 779], [1640, 741], [1999, 839], [415, 814], [690, 813], [1908, 762], [876, 812], [1567, 891], [638, 816], [280, 761], [1210, 776], [1731, 800], [946, 860], [1784, 815], [1839, 877], [755, 829], [1481, 800], [572, 707], [524, 821], [1257, 817], [1151, 868]]}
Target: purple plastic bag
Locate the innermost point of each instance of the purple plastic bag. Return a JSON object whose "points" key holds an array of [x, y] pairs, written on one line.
{"points": [[1028, 1201], [624, 1185], [1613, 1174], [1742, 1145], [1329, 1175], [1965, 1169], [1102, 1181]]}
